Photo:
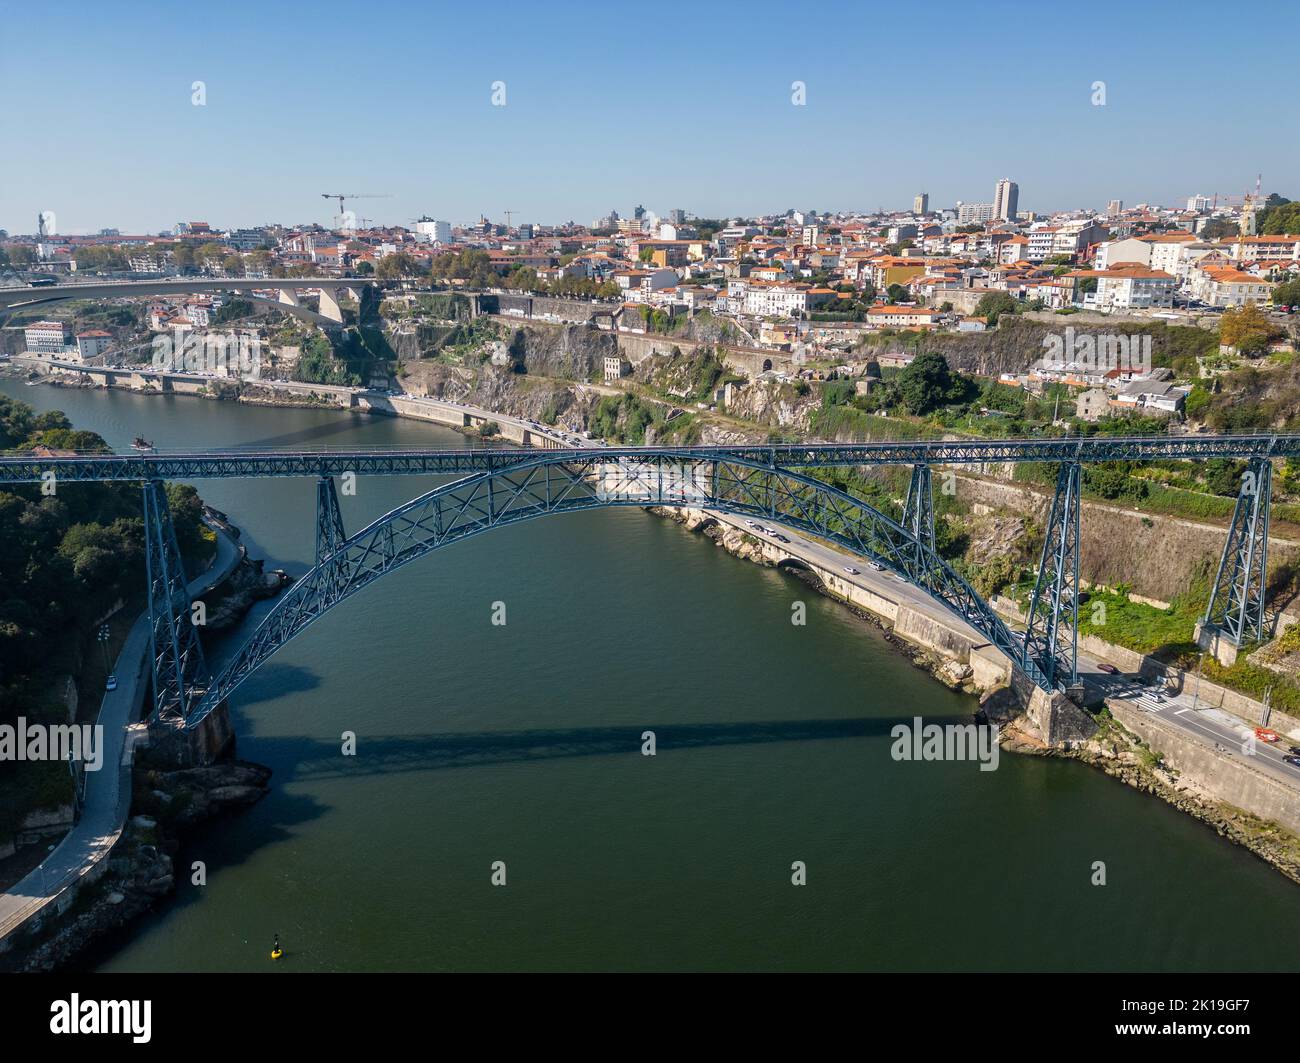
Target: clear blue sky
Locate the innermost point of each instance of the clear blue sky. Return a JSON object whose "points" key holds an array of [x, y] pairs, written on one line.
{"points": [[668, 104]]}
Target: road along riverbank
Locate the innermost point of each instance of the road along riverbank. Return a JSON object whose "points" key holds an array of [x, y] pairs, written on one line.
{"points": [[115, 862]]}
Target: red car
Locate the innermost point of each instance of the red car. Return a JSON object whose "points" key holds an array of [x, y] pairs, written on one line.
{"points": [[1267, 734]]}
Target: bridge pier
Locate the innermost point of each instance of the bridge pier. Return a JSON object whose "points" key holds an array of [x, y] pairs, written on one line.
{"points": [[211, 740], [329, 305], [179, 671], [1235, 613], [1058, 720], [918, 518], [1050, 637]]}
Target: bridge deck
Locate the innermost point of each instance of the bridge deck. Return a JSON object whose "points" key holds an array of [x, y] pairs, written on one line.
{"points": [[191, 465]]}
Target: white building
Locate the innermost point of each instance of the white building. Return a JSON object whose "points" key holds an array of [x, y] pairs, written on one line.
{"points": [[90, 345], [1006, 199], [1134, 287], [760, 298], [1225, 286], [974, 213], [437, 232], [46, 337]]}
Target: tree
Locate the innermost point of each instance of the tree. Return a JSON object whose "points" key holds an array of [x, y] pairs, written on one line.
{"points": [[1218, 229], [1247, 329], [927, 383], [393, 267], [994, 305], [1278, 218], [1223, 475], [897, 293], [1287, 294]]}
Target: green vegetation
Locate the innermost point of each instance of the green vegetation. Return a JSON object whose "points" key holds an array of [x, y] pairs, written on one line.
{"points": [[1116, 618], [318, 365], [1254, 681], [447, 306], [1280, 217], [1287, 293], [65, 560], [627, 418], [994, 305]]}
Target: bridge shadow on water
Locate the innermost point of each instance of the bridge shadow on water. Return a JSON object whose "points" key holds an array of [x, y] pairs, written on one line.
{"points": [[391, 754], [285, 679], [333, 427]]}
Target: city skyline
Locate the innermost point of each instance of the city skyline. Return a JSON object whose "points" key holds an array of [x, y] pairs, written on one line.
{"points": [[595, 117]]}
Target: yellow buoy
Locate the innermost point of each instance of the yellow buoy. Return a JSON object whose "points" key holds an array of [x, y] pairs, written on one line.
{"points": [[276, 954]]}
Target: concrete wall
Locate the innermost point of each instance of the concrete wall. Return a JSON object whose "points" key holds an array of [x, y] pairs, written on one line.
{"points": [[949, 639], [548, 308], [1228, 776], [1207, 693], [1159, 557]]}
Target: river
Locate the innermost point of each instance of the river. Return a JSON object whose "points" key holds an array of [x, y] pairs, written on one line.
{"points": [[521, 743]]}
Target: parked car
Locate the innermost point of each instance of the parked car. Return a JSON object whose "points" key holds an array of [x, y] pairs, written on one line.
{"points": [[1267, 734]]}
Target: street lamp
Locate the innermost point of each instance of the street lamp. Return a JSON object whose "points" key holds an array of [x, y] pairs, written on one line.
{"points": [[102, 636]]}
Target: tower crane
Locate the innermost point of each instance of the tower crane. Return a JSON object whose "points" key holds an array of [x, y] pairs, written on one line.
{"points": [[342, 196]]}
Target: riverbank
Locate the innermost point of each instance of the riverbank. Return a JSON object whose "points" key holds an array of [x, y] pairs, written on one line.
{"points": [[1114, 749], [138, 811], [169, 807], [739, 544], [1121, 754]]}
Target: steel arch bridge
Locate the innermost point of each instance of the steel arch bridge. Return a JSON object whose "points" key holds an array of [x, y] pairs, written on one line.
{"points": [[503, 486], [565, 482]]}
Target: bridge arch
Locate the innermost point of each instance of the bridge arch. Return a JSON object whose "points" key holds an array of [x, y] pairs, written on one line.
{"points": [[568, 482]]}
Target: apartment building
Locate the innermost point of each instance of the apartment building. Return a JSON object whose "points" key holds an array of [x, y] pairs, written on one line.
{"points": [[91, 344], [1226, 286], [902, 317], [761, 298], [46, 337], [1133, 288], [1267, 249]]}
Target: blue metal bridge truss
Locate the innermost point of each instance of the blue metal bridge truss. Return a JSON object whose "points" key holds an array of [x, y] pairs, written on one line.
{"points": [[507, 486], [29, 468], [592, 479]]}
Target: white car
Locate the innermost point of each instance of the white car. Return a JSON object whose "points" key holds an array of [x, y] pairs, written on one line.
{"points": [[877, 566], [112, 683], [851, 570]]}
